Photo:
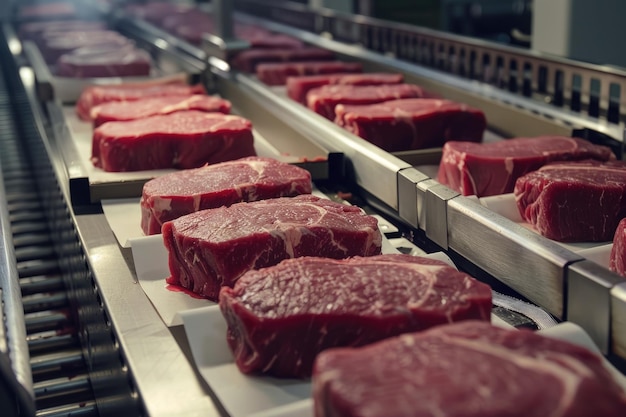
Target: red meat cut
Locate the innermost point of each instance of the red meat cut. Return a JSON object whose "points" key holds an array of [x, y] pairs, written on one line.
{"points": [[104, 61], [281, 317], [580, 201], [617, 259], [261, 39], [492, 168], [118, 111], [96, 95], [277, 73], [185, 139], [35, 31], [247, 60], [412, 123], [470, 368], [323, 100], [54, 44], [299, 86], [212, 248], [173, 195]]}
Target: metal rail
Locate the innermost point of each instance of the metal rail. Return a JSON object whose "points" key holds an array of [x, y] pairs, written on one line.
{"points": [[596, 91]]}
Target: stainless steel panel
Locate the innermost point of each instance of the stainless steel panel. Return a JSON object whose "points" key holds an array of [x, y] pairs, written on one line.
{"points": [[422, 209], [436, 201], [589, 300], [618, 320], [527, 262], [408, 179]]}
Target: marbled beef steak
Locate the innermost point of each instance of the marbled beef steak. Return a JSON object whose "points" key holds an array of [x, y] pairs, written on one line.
{"points": [[54, 44], [580, 201], [299, 86], [99, 94], [279, 318], [617, 258], [248, 59], [277, 73], [323, 100], [185, 139], [170, 196], [485, 169], [412, 123], [213, 248], [118, 111], [465, 369], [101, 61]]}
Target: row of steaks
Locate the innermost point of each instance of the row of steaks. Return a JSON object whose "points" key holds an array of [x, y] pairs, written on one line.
{"points": [[86, 49], [397, 117], [306, 293]]}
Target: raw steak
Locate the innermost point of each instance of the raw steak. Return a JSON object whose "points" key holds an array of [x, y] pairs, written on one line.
{"points": [[269, 41], [173, 195], [213, 248], [55, 44], [118, 111], [277, 73], [96, 95], [412, 123], [299, 86], [247, 60], [617, 259], [465, 369], [492, 168], [185, 139], [156, 12], [104, 61], [323, 100], [580, 201], [190, 26], [279, 318], [50, 10], [34, 30]]}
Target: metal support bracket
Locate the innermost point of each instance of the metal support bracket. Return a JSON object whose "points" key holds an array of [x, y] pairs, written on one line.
{"points": [[408, 179], [432, 200], [589, 284]]}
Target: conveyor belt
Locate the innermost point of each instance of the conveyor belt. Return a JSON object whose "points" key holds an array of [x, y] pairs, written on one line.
{"points": [[58, 319]]}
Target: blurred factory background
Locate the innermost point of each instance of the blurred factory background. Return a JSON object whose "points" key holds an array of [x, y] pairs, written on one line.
{"points": [[586, 30]]}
